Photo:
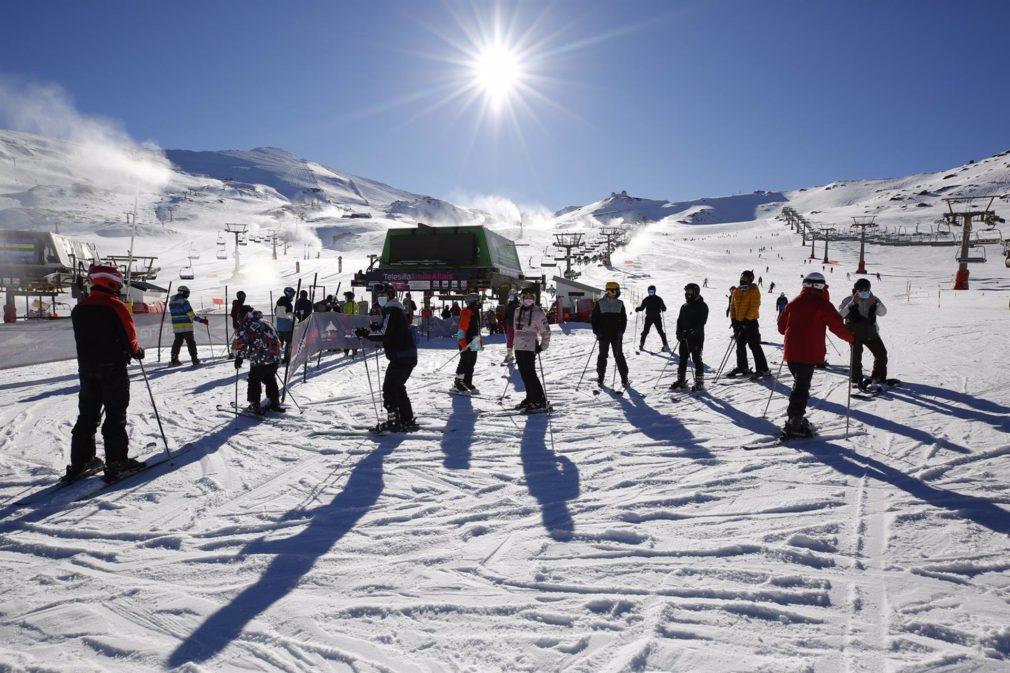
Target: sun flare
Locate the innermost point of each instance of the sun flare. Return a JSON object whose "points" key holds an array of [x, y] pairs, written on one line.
{"points": [[498, 73]]}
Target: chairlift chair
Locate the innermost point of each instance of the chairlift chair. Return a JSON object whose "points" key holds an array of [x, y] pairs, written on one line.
{"points": [[186, 272], [976, 255]]}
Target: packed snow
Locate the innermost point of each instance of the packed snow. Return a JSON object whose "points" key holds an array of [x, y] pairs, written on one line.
{"points": [[621, 533]]}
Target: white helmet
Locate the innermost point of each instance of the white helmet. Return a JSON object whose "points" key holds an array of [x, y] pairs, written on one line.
{"points": [[814, 279]]}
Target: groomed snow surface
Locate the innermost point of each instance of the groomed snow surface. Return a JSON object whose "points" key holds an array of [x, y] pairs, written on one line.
{"points": [[623, 533]]}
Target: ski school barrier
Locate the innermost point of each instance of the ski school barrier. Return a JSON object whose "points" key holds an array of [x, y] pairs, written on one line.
{"points": [[39, 341]]}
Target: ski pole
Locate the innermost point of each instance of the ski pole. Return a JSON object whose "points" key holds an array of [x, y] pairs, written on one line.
{"points": [[210, 344], [378, 370], [300, 409], [508, 382], [834, 347], [368, 375], [772, 391], [848, 397], [161, 327], [725, 358], [237, 375], [442, 366], [155, 407], [543, 379], [663, 372], [591, 350], [636, 332]]}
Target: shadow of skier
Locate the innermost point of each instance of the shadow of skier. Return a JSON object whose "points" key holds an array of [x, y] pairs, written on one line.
{"points": [[552, 479]]}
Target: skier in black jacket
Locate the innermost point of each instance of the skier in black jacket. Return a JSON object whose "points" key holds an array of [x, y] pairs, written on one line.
{"points": [[303, 307], [691, 336], [654, 309], [398, 341], [609, 321]]}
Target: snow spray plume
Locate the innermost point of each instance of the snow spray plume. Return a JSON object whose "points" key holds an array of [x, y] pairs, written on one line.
{"points": [[503, 211], [100, 151]]}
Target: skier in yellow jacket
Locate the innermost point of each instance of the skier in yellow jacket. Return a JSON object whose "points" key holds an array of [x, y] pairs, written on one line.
{"points": [[745, 304]]}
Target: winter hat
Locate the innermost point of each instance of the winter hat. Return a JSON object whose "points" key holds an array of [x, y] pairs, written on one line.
{"points": [[748, 274], [289, 292], [240, 295], [472, 298], [814, 279], [529, 291], [183, 290], [651, 288], [861, 284], [613, 285], [692, 287]]}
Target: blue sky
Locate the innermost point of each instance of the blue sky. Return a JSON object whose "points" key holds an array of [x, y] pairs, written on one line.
{"points": [[666, 99]]}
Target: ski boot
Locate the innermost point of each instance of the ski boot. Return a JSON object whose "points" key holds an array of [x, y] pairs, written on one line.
{"points": [[625, 381], [699, 384], [536, 408], [522, 405], [797, 426], [411, 426], [75, 472], [509, 357], [275, 405], [175, 363], [255, 408], [599, 381], [665, 349], [737, 372], [459, 387], [763, 374], [196, 362], [471, 388], [116, 470], [679, 384]]}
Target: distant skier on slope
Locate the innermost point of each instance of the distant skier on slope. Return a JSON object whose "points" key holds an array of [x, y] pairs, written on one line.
{"points": [[401, 352], [470, 342], [654, 308], [182, 325], [609, 320], [256, 341], [691, 337], [860, 311], [780, 303], [745, 303], [529, 324], [106, 339], [803, 323]]}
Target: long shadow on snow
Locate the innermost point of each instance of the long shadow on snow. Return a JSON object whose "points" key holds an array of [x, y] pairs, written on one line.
{"points": [[920, 394], [849, 462], [26, 384], [662, 428], [69, 390], [184, 455], [457, 438], [552, 479], [293, 558]]}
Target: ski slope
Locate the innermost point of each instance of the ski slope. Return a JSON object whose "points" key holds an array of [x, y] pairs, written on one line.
{"points": [[623, 533]]}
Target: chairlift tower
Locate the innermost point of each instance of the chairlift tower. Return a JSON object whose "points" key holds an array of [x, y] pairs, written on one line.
{"points": [[962, 211], [813, 244], [568, 242], [615, 237], [863, 223], [238, 230], [827, 234]]}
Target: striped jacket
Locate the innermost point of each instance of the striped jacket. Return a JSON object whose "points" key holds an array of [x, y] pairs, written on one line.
{"points": [[182, 314]]}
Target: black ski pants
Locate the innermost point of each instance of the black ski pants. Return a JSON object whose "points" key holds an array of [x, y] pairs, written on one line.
{"points": [[651, 320], [190, 345], [394, 389], [611, 342], [803, 374], [691, 348], [749, 335], [467, 361], [527, 362], [875, 346], [285, 338], [260, 376], [108, 388]]}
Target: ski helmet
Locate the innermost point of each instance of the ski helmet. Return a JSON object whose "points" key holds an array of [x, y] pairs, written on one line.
{"points": [[472, 298], [529, 291], [289, 292], [615, 287], [240, 295], [184, 291], [349, 294], [692, 288], [814, 279], [862, 284], [748, 275], [106, 277], [384, 288]]}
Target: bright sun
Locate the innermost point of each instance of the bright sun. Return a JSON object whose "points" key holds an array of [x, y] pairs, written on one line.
{"points": [[498, 73]]}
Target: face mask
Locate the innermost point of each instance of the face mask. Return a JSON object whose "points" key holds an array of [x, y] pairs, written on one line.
{"points": [[652, 293], [528, 301], [864, 294], [383, 300], [744, 285]]}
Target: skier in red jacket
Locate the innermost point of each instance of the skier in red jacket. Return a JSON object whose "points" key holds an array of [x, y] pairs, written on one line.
{"points": [[803, 322]]}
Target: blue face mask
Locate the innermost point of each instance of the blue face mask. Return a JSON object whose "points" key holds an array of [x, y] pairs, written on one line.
{"points": [[744, 286], [864, 294], [383, 300]]}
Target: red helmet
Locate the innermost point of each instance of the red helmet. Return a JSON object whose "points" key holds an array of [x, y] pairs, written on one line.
{"points": [[108, 277]]}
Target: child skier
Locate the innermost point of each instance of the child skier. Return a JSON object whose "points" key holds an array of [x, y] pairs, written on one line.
{"points": [[654, 309], [469, 341], [609, 321], [530, 323], [745, 302], [860, 311], [803, 324], [257, 341], [691, 336], [106, 340]]}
